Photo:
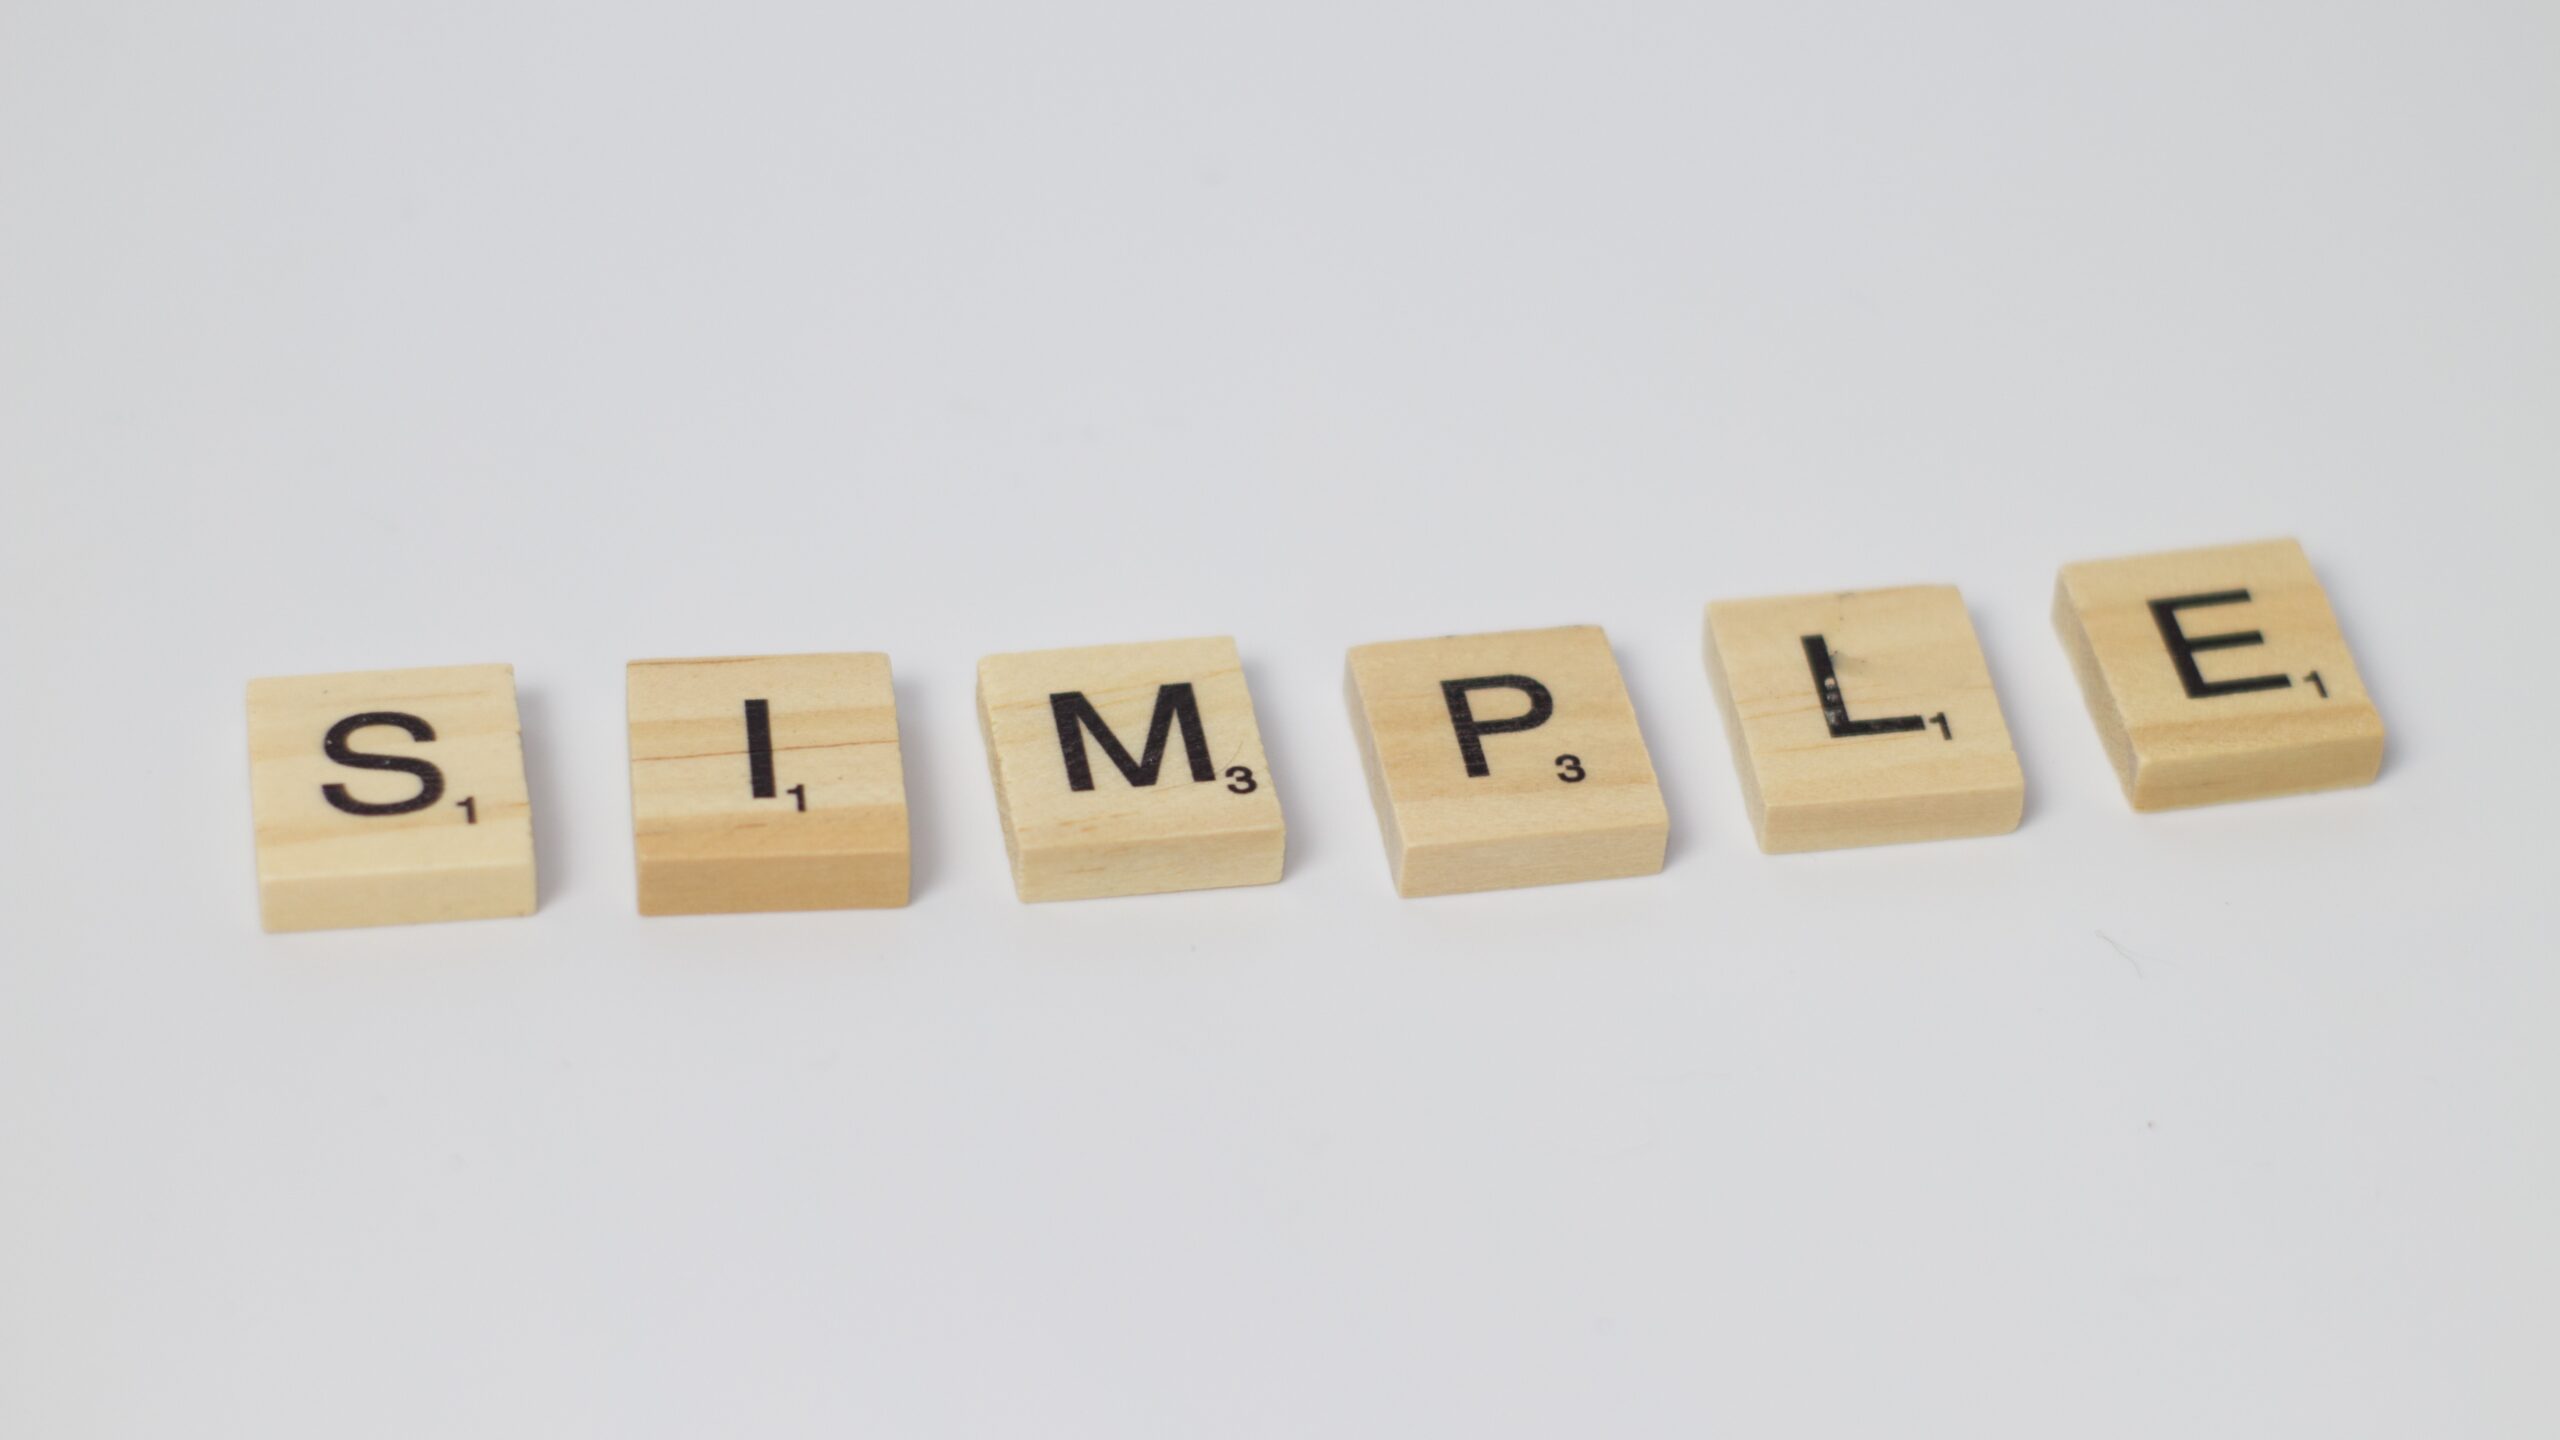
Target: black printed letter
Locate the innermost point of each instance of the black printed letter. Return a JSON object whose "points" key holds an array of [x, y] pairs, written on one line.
{"points": [[1472, 730], [2183, 646], [1835, 708], [430, 779], [759, 750], [1075, 715]]}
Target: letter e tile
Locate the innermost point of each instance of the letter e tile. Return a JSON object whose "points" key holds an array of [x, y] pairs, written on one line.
{"points": [[2217, 674]]}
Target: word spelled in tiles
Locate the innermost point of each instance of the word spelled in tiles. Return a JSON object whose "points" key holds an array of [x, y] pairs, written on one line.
{"points": [[1505, 760], [1129, 770], [2217, 675], [776, 782], [768, 782], [389, 797], [1864, 718]]}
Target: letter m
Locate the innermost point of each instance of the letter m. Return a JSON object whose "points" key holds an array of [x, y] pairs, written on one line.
{"points": [[1174, 703]]}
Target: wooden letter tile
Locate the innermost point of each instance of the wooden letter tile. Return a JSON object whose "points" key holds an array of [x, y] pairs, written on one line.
{"points": [[2217, 675], [1129, 770], [1862, 718], [389, 797], [767, 782], [1505, 760]]}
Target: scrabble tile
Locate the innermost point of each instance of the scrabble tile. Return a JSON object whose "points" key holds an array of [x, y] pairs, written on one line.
{"points": [[2217, 675], [766, 782], [1505, 760], [1862, 718], [1129, 770], [389, 797]]}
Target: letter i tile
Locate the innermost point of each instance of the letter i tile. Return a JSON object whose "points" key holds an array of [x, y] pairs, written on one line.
{"points": [[767, 782]]}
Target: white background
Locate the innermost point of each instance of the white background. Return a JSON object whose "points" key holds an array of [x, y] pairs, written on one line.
{"points": [[341, 337]]}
